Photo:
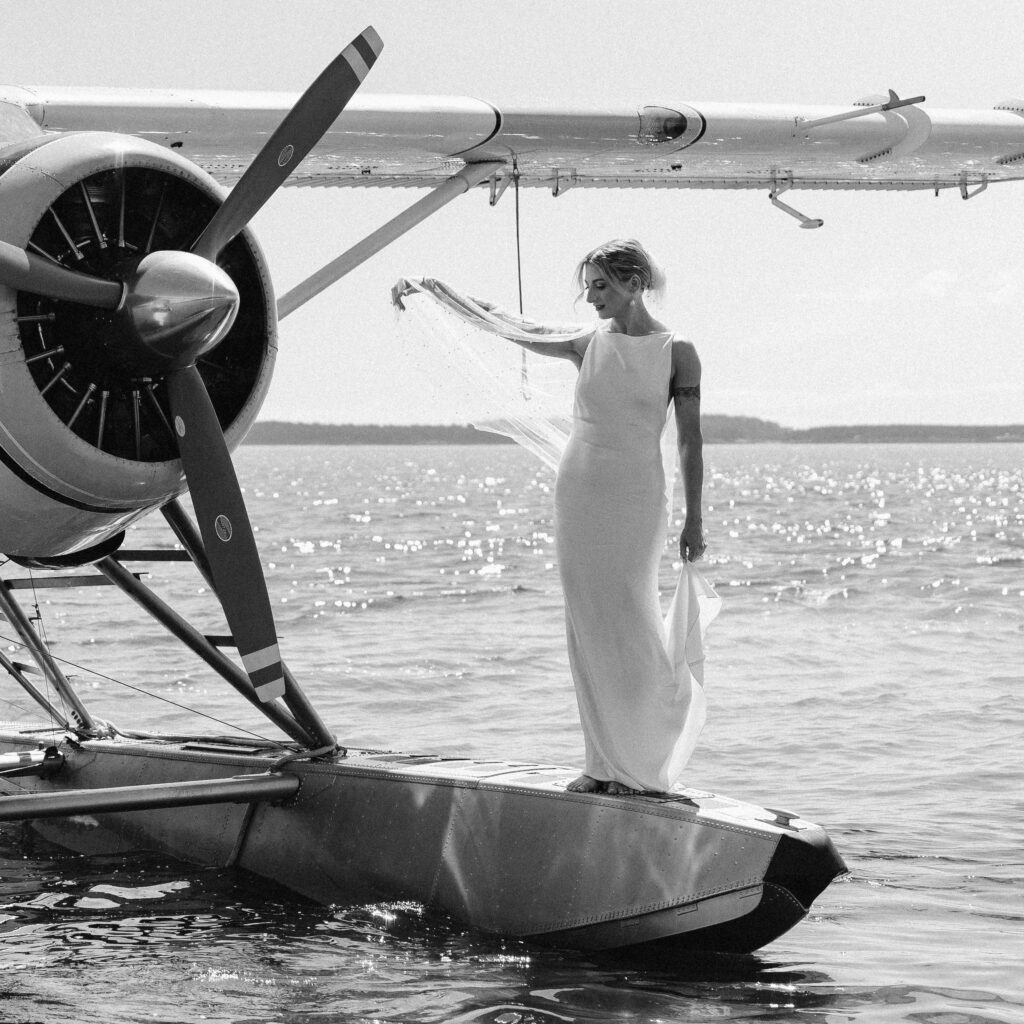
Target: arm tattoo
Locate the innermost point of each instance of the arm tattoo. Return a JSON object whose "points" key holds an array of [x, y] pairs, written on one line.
{"points": [[688, 392]]}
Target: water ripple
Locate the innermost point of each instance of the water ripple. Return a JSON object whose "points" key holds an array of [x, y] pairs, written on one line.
{"points": [[865, 670]]}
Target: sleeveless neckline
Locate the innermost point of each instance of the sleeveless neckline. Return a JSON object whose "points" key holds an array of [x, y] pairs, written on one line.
{"points": [[622, 334]]}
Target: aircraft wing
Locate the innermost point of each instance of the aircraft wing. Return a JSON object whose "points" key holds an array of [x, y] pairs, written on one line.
{"points": [[881, 142]]}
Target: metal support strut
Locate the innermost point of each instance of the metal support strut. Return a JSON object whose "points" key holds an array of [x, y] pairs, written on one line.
{"points": [[965, 194], [470, 176], [198, 643], [295, 699], [47, 665], [236, 790], [805, 222], [17, 673]]}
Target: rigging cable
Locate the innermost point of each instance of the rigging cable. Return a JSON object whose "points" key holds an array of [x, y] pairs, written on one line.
{"points": [[138, 689]]}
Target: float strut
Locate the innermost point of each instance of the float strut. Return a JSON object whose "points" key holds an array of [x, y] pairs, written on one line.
{"points": [[470, 176], [17, 673], [241, 789], [191, 540], [196, 642], [294, 697], [45, 660]]}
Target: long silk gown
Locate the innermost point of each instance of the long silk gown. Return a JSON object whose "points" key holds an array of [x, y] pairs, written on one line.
{"points": [[638, 675]]}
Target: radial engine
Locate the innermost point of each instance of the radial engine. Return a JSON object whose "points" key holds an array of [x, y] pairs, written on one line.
{"points": [[87, 436]]}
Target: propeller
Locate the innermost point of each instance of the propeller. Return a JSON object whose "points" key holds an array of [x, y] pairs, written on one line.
{"points": [[226, 531], [28, 272], [298, 133], [174, 306]]}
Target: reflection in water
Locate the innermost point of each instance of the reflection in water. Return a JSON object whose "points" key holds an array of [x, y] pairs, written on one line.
{"points": [[227, 940], [230, 946], [232, 943]]}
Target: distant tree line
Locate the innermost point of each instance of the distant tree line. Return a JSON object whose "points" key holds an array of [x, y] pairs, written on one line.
{"points": [[717, 430]]}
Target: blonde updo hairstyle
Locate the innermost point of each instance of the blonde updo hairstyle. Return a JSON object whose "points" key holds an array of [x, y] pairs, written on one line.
{"points": [[620, 260]]}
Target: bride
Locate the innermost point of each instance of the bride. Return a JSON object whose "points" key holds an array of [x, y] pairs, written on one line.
{"points": [[638, 676]]}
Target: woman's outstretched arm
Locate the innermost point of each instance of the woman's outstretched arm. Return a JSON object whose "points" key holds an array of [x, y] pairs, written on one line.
{"points": [[560, 341], [571, 349]]}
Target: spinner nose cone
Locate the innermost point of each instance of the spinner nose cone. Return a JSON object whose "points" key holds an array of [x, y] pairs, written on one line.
{"points": [[179, 305]]}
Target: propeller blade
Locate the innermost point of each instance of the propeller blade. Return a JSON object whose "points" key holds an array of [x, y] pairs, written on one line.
{"points": [[302, 128], [30, 273], [226, 532]]}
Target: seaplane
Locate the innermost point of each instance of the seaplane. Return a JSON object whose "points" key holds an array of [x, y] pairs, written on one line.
{"points": [[138, 333]]}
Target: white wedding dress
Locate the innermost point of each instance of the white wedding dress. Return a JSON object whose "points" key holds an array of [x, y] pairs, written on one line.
{"points": [[639, 690], [638, 674]]}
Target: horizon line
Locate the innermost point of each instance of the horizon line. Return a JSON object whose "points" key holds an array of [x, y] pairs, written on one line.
{"points": [[892, 424]]}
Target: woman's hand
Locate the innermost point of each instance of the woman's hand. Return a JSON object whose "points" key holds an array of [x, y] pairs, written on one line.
{"points": [[400, 290], [691, 541]]}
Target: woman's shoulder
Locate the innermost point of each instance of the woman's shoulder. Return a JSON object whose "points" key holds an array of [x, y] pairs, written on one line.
{"points": [[685, 361]]}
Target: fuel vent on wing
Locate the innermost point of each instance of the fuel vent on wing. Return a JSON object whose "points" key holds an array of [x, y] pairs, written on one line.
{"points": [[666, 125]]}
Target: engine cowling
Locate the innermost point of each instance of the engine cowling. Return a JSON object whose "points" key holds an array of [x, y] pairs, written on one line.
{"points": [[86, 440]]}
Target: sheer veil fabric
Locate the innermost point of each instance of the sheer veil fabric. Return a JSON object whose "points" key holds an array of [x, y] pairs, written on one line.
{"points": [[465, 339], [465, 345]]}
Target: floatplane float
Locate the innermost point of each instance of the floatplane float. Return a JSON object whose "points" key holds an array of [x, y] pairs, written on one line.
{"points": [[137, 340]]}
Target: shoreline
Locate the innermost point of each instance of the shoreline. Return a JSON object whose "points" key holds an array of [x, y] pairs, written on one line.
{"points": [[717, 430]]}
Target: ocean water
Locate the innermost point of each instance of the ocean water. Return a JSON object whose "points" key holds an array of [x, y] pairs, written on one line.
{"points": [[866, 671]]}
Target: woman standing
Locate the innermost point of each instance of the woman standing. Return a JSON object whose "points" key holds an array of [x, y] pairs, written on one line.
{"points": [[610, 523], [637, 675]]}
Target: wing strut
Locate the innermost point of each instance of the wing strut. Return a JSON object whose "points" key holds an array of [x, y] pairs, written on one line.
{"points": [[470, 176]]}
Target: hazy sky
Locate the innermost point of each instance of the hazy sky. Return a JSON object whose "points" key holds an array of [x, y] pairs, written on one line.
{"points": [[903, 308]]}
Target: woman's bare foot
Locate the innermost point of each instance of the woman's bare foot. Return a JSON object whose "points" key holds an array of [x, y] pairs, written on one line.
{"points": [[585, 784], [618, 789]]}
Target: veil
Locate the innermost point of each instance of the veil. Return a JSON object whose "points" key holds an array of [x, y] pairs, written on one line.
{"points": [[496, 386], [485, 381]]}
